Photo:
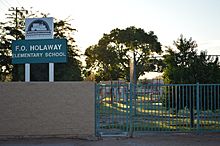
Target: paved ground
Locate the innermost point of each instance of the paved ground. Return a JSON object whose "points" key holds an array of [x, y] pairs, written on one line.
{"points": [[147, 140]]}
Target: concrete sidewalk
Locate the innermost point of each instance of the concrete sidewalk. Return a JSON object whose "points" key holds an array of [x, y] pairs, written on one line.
{"points": [[146, 140]]}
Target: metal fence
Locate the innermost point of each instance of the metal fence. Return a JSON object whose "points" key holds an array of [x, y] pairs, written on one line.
{"points": [[126, 109]]}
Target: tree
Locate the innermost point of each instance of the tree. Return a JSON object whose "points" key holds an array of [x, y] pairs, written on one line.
{"points": [[110, 58], [13, 29], [186, 66], [10, 30]]}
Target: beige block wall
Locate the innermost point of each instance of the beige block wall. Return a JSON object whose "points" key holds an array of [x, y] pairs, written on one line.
{"points": [[47, 109]]}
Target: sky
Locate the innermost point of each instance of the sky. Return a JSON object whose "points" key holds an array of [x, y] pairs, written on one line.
{"points": [[168, 19]]}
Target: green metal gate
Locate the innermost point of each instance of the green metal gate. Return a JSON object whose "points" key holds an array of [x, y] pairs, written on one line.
{"points": [[127, 109], [112, 109]]}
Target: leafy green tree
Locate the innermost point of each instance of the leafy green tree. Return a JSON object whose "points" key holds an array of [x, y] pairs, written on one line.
{"points": [[205, 69], [110, 58], [10, 30], [13, 29], [185, 65], [178, 62]]}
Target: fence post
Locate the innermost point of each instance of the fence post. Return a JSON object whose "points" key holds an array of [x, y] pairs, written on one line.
{"points": [[97, 109], [131, 112], [197, 107]]}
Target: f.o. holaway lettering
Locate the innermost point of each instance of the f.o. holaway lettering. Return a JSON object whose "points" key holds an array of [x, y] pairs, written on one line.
{"points": [[45, 47]]}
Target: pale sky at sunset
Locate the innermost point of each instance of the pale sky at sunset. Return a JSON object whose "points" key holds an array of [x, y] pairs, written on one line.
{"points": [[168, 19]]}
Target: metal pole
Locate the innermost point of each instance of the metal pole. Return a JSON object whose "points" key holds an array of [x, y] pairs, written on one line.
{"points": [[131, 111], [27, 72], [51, 65], [197, 107], [51, 72]]}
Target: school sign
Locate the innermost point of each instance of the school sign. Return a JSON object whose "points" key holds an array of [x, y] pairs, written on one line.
{"points": [[39, 51]]}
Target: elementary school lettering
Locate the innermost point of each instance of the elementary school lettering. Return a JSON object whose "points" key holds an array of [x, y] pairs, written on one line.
{"points": [[38, 55]]}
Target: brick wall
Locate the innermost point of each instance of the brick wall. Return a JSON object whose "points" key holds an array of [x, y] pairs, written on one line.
{"points": [[47, 109]]}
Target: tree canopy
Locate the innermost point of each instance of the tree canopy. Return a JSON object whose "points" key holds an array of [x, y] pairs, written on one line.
{"points": [[111, 56], [185, 65], [13, 29]]}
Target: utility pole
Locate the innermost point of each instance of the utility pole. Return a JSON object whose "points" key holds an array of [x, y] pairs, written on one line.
{"points": [[17, 68], [16, 10]]}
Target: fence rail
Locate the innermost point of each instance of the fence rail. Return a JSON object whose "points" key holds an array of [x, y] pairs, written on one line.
{"points": [[128, 108]]}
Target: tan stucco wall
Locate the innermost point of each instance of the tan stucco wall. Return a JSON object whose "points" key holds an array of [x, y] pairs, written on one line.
{"points": [[47, 109]]}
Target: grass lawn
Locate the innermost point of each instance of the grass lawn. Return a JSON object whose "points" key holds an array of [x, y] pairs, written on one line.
{"points": [[148, 114]]}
